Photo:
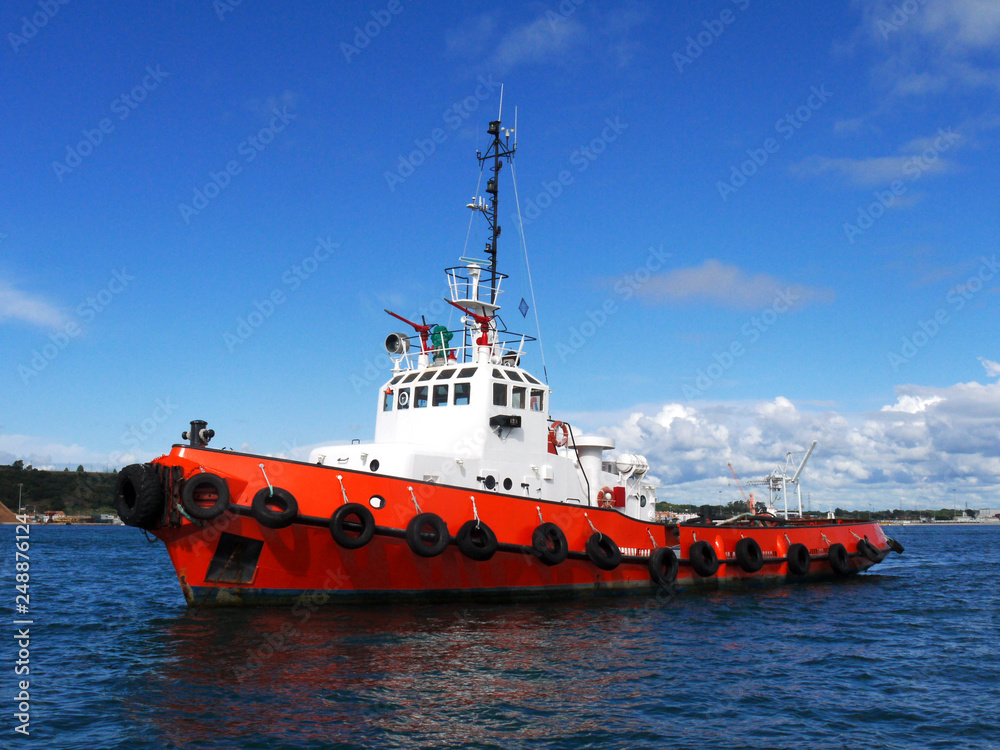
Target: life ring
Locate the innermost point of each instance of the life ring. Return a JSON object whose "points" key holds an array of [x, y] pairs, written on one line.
{"points": [[138, 495], [799, 559], [749, 555], [663, 566], [606, 498], [549, 543], [427, 534], [274, 508], [703, 559], [352, 526], [603, 552], [558, 434], [197, 496], [476, 541], [838, 558], [404, 398], [869, 551]]}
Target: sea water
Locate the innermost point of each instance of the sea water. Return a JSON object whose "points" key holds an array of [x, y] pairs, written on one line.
{"points": [[905, 656]]}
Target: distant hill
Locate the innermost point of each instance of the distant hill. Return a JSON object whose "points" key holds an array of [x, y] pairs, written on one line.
{"points": [[74, 492]]}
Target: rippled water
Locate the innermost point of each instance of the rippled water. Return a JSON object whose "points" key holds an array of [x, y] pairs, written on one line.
{"points": [[907, 657]]}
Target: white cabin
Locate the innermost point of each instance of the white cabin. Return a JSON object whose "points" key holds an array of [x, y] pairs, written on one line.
{"points": [[470, 416]]}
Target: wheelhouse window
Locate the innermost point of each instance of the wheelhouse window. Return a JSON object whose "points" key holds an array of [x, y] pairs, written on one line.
{"points": [[497, 373], [403, 398], [428, 375], [517, 397], [410, 378], [467, 372], [499, 394], [537, 402], [445, 374], [462, 391], [440, 397], [531, 379], [514, 376], [420, 397], [387, 401]]}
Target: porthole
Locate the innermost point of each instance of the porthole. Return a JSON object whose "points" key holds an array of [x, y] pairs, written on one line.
{"points": [[490, 482], [507, 484], [374, 467], [377, 501], [642, 501]]}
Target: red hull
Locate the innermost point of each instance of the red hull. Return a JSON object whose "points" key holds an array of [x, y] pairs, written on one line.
{"points": [[234, 559]]}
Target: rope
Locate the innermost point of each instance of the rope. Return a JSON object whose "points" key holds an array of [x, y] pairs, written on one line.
{"points": [[261, 467], [475, 512], [343, 492], [414, 498], [531, 285], [651, 537], [539, 509], [599, 535]]}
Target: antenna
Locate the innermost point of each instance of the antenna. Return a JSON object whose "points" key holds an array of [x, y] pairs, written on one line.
{"points": [[497, 150], [500, 113]]}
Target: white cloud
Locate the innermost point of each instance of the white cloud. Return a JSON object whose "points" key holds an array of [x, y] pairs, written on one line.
{"points": [[28, 308], [933, 447], [726, 285], [47, 454], [932, 47], [540, 41], [992, 368]]}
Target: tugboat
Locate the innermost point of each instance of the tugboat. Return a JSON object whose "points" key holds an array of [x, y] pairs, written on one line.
{"points": [[469, 488]]}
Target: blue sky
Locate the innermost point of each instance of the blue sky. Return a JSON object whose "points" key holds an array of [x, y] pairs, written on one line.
{"points": [[750, 225]]}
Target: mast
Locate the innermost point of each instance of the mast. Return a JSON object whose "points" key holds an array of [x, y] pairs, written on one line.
{"points": [[499, 149]]}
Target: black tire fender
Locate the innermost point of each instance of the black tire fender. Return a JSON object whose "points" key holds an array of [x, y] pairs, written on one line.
{"points": [[868, 550], [749, 555], [348, 518], [799, 559], [420, 527], [603, 552], [894, 545], [476, 541], [663, 566], [194, 489], [549, 543], [840, 560], [139, 496], [703, 559], [264, 510]]}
